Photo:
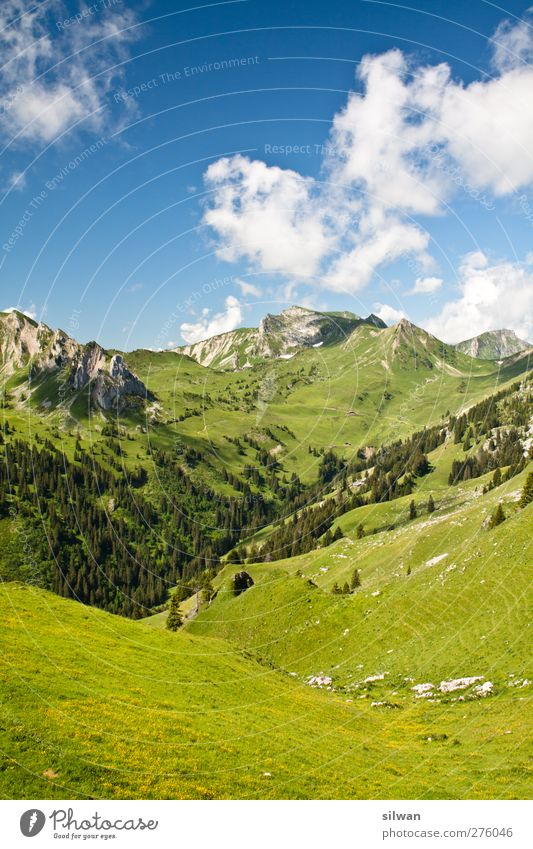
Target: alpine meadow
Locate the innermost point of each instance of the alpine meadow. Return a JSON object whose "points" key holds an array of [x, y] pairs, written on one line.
{"points": [[266, 420], [337, 515]]}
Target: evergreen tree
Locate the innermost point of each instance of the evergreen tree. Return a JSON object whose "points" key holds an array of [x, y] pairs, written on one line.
{"points": [[233, 557], [527, 493], [497, 517], [174, 618], [356, 579], [431, 504], [412, 510], [346, 588], [360, 532], [208, 592], [467, 442]]}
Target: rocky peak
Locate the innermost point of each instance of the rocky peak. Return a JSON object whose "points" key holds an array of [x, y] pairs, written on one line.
{"points": [[112, 383], [493, 345], [87, 364], [376, 321], [24, 341], [278, 335], [21, 338]]}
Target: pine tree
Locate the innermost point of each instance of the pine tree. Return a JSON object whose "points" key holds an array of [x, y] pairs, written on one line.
{"points": [[497, 478], [497, 517], [412, 510], [327, 539], [174, 618], [356, 579], [431, 504], [527, 493], [346, 588], [233, 557], [467, 442], [360, 532]]}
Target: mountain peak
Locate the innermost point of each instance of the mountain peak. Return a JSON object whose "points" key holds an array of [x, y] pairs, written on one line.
{"points": [[50, 353], [278, 336], [493, 345]]}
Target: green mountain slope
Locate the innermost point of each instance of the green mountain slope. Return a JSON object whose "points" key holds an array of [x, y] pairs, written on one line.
{"points": [[100, 707], [277, 337], [297, 688], [441, 596]]}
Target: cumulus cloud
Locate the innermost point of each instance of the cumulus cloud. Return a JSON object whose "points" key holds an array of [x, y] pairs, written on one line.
{"points": [[248, 288], [491, 297], [425, 285], [388, 314], [55, 74], [512, 43], [408, 138], [267, 215], [211, 326]]}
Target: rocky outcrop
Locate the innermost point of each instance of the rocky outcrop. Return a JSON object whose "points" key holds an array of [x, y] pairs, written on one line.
{"points": [[493, 345], [278, 336], [117, 386], [89, 361], [24, 341]]}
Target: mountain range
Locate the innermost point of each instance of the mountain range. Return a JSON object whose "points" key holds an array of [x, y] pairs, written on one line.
{"points": [[25, 342], [370, 487], [297, 328]]}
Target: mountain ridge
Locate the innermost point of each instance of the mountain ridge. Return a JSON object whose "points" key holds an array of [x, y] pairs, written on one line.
{"points": [[278, 336], [493, 345], [46, 352]]}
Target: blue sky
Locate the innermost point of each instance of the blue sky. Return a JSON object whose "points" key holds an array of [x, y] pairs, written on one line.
{"points": [[168, 173]]}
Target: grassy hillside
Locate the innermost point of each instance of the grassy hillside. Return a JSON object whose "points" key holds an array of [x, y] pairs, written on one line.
{"points": [[376, 386], [97, 706], [441, 596], [297, 688]]}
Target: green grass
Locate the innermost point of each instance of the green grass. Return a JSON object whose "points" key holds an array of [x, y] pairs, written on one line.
{"points": [[223, 709], [375, 387], [465, 613], [115, 710]]}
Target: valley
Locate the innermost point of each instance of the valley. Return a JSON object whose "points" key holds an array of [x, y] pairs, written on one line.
{"points": [[373, 483]]}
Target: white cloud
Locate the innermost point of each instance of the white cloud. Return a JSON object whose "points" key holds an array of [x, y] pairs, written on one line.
{"points": [[248, 288], [512, 43], [425, 285], [54, 76], [220, 323], [491, 297], [409, 139], [388, 314], [31, 312], [267, 215], [379, 246], [17, 181]]}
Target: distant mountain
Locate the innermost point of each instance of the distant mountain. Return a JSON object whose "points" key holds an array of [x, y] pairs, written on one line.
{"points": [[277, 337], [493, 345], [409, 347], [54, 355]]}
